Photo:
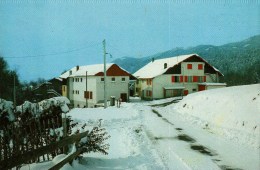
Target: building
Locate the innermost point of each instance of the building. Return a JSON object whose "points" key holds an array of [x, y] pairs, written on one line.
{"points": [[48, 89], [90, 93], [176, 76]]}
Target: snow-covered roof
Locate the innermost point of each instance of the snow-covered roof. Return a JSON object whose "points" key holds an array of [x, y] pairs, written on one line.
{"points": [[156, 67], [213, 84], [91, 69], [174, 87]]}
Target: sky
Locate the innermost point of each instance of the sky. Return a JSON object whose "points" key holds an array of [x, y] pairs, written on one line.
{"points": [[41, 39]]}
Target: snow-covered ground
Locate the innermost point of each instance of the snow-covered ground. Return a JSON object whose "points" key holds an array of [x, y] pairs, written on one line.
{"points": [[215, 129]]}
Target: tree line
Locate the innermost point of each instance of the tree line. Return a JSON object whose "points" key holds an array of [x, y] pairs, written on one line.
{"points": [[10, 82]]}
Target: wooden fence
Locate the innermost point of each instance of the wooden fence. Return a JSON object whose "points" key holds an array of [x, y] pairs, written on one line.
{"points": [[35, 140]]}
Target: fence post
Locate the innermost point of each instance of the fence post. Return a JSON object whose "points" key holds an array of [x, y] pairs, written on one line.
{"points": [[64, 125]]}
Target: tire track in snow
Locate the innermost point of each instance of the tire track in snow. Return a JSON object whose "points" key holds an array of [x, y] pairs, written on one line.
{"points": [[195, 147]]}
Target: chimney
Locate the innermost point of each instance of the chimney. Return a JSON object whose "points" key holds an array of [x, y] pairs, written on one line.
{"points": [[70, 72], [77, 68], [153, 59]]}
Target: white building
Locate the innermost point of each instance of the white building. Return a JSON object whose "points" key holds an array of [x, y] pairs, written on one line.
{"points": [[90, 93], [176, 76]]}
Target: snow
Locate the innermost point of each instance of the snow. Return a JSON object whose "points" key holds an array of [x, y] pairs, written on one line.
{"points": [[156, 67], [223, 123], [7, 106], [212, 84], [38, 108], [91, 69], [219, 108]]}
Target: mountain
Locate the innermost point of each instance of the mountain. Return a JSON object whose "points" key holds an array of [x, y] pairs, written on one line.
{"points": [[231, 57]]}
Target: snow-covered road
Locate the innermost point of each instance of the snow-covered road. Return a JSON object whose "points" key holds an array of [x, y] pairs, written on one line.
{"points": [[145, 137]]}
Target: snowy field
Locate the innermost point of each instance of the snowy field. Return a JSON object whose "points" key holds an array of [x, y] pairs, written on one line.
{"points": [[215, 129]]}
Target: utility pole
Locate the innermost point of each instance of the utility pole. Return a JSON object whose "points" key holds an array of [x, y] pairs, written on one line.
{"points": [[86, 89], [105, 74], [14, 94]]}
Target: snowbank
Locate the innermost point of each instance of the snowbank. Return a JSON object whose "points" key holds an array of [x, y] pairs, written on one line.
{"points": [[38, 108], [235, 110], [7, 106]]}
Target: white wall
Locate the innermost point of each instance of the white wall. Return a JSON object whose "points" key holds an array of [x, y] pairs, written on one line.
{"points": [[194, 71], [95, 85], [113, 88], [79, 99]]}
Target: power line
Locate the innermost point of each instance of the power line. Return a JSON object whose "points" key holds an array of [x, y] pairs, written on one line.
{"points": [[57, 53]]}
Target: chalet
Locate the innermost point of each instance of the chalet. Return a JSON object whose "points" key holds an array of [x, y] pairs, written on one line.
{"points": [[48, 89], [84, 85], [176, 76]]}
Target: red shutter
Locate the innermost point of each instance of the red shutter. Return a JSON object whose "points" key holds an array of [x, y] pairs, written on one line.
{"points": [[200, 66], [204, 79], [189, 66], [173, 79], [186, 78], [181, 78], [195, 78]]}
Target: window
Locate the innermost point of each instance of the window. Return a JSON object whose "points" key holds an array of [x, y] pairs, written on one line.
{"points": [[113, 79], [149, 81], [165, 65], [148, 93], [88, 94], [102, 79], [200, 79], [123, 79], [189, 78], [72, 79], [189, 66], [72, 91], [81, 79], [177, 79], [200, 66], [205, 79]]}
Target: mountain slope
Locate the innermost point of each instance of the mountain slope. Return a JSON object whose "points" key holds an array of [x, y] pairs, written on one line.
{"points": [[231, 57]]}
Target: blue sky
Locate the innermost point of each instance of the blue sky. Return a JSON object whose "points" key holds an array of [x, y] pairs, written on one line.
{"points": [[44, 38]]}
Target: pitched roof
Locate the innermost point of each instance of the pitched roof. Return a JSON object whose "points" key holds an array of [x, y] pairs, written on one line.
{"points": [[156, 67], [92, 70]]}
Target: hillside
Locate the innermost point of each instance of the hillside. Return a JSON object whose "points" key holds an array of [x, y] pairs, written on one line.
{"points": [[233, 57]]}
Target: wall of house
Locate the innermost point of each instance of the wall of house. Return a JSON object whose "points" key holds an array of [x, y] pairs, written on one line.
{"points": [[114, 88], [145, 85], [78, 88], [96, 86]]}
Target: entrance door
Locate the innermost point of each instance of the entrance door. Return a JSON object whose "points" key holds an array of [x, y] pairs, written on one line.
{"points": [[123, 96]]}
